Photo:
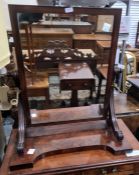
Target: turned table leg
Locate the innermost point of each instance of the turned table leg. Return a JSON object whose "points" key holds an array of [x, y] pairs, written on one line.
{"points": [[74, 98]]}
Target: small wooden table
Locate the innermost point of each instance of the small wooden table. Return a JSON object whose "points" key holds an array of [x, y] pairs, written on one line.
{"points": [[76, 76]]}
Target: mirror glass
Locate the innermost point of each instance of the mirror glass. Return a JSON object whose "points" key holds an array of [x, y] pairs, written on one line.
{"points": [[62, 56]]}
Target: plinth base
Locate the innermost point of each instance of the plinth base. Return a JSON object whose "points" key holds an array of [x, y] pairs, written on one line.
{"points": [[67, 138]]}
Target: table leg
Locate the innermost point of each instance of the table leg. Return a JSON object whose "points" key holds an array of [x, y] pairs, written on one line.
{"points": [[74, 98], [47, 97], [91, 92], [99, 88]]}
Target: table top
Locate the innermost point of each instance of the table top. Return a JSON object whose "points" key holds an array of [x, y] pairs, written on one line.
{"points": [[75, 71], [100, 37], [134, 81], [103, 70], [64, 22], [132, 49], [125, 106], [52, 31], [104, 44], [79, 160], [39, 80]]}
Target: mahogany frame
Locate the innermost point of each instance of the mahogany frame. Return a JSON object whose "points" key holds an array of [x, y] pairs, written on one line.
{"points": [[108, 111]]}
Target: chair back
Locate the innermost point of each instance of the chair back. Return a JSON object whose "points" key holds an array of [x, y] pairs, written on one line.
{"points": [[130, 68], [58, 55]]}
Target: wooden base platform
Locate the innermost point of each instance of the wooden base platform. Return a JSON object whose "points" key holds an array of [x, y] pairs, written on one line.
{"points": [[125, 106], [85, 161], [65, 138]]}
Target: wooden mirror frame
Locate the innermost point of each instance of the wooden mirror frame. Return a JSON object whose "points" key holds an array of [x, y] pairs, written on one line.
{"points": [[108, 111]]}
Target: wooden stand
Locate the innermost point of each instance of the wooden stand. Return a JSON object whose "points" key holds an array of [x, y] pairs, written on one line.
{"points": [[53, 156], [58, 139], [49, 140]]}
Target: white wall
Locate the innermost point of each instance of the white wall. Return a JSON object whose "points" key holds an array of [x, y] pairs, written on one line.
{"points": [[6, 11], [134, 13], [6, 14], [27, 2], [134, 19]]}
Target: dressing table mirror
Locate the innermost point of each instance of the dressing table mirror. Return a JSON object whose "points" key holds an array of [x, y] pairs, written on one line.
{"points": [[56, 52]]}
